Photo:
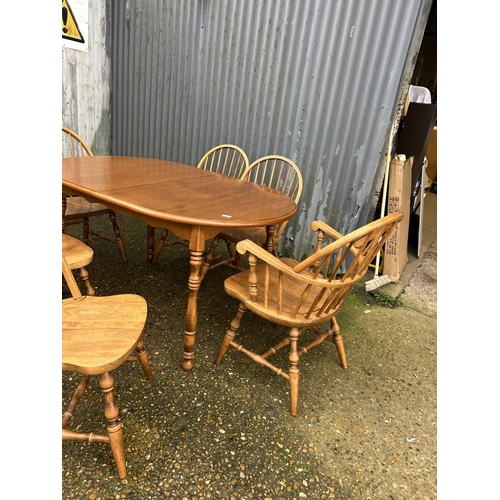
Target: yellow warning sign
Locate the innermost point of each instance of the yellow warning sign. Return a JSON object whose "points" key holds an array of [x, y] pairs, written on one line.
{"points": [[70, 29]]}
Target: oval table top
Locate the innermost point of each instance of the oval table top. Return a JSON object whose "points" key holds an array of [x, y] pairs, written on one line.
{"points": [[170, 191]]}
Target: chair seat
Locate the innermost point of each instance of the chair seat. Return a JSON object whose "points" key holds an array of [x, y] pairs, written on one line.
{"points": [[237, 286], [76, 252], [78, 207], [99, 333]]}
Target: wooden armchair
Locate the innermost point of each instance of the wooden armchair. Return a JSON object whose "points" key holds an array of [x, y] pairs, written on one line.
{"points": [[78, 209], [98, 335], [225, 159], [304, 295], [276, 172]]}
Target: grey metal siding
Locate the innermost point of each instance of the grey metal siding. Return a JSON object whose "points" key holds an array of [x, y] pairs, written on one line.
{"points": [[318, 81]]}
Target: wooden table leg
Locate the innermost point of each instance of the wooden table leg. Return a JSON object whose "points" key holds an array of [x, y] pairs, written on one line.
{"points": [[195, 261]]}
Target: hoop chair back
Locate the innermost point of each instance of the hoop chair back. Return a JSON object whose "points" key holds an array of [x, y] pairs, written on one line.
{"points": [[73, 144], [279, 173], [225, 159]]}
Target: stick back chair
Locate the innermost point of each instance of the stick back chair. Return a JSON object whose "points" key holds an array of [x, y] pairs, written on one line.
{"points": [[78, 209], [225, 159], [303, 296], [78, 255], [276, 172], [98, 335]]}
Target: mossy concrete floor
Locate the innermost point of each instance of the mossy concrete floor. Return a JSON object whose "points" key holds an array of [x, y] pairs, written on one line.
{"points": [[225, 432]]}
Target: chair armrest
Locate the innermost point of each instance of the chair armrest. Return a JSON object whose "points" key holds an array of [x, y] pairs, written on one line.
{"points": [[262, 254], [275, 262], [319, 224]]}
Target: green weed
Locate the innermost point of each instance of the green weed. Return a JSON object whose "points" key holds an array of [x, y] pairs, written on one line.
{"points": [[386, 300]]}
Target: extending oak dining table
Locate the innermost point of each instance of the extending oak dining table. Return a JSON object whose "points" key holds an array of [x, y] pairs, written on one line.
{"points": [[193, 203]]}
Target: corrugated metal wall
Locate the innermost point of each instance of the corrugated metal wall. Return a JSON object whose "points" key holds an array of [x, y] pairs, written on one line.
{"points": [[318, 81], [86, 82]]}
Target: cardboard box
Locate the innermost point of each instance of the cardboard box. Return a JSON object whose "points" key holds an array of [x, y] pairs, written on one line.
{"points": [[398, 199]]}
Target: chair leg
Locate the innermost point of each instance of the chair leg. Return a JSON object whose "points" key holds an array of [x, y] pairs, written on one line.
{"points": [[293, 371], [143, 358], [231, 332], [84, 276], [151, 242], [275, 247], [86, 230], [118, 237], [209, 257], [159, 247], [339, 343], [77, 396], [236, 256], [114, 426]]}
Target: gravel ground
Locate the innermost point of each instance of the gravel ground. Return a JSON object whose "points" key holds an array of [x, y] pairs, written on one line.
{"points": [[225, 432]]}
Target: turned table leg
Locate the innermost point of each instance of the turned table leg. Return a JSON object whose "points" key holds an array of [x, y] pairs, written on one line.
{"points": [[195, 261]]}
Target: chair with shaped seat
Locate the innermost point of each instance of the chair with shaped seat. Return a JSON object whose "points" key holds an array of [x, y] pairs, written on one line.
{"points": [[99, 334], [225, 159], [303, 296], [78, 210], [78, 255], [276, 172]]}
